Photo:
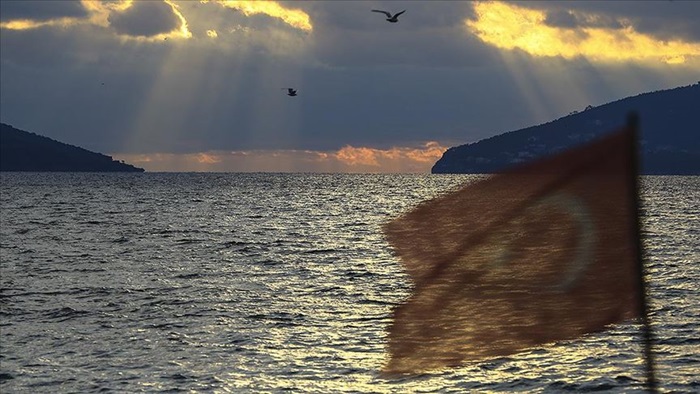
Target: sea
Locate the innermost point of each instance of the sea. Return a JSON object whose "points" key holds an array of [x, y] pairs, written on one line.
{"points": [[282, 283]]}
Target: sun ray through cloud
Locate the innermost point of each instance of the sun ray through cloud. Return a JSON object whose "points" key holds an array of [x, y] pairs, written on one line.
{"points": [[180, 88], [200, 82]]}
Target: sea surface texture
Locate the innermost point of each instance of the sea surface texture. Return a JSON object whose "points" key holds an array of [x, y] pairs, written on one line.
{"points": [[280, 283]]}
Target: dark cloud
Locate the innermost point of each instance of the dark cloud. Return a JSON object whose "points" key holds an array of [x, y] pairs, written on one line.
{"points": [[358, 15], [447, 47], [85, 47], [570, 20], [431, 34], [562, 18], [663, 19], [145, 18], [684, 28], [40, 10]]}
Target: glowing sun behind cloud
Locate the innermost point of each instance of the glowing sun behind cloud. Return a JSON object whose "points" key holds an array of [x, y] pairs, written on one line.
{"points": [[508, 26]]}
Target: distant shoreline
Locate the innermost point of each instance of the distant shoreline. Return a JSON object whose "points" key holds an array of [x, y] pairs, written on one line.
{"points": [[669, 142], [22, 151]]}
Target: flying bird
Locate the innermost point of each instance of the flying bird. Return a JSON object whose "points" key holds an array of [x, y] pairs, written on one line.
{"points": [[291, 92], [389, 17]]}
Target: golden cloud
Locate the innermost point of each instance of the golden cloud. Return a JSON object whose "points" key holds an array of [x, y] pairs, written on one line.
{"points": [[358, 156], [205, 158], [293, 17], [373, 157], [26, 24], [508, 26], [184, 31]]}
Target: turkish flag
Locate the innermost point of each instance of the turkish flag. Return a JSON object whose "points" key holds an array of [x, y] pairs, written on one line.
{"points": [[540, 253]]}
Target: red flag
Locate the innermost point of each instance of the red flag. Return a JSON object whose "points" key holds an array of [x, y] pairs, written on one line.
{"points": [[541, 253]]}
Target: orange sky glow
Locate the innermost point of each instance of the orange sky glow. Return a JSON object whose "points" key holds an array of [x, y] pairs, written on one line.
{"points": [[347, 159]]}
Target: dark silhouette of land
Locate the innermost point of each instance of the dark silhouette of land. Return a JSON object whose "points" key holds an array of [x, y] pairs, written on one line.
{"points": [[669, 141], [24, 151]]}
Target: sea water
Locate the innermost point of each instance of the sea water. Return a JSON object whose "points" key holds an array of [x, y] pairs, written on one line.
{"points": [[201, 282]]}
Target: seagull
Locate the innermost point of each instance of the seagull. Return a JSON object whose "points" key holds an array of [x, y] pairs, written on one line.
{"points": [[389, 18], [291, 92]]}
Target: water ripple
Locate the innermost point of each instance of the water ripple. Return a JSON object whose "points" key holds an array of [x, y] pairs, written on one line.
{"points": [[277, 282]]}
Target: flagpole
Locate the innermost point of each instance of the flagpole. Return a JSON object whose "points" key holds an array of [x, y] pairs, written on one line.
{"points": [[647, 334]]}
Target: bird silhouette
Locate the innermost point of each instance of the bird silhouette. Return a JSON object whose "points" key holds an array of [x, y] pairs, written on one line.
{"points": [[291, 92], [389, 17]]}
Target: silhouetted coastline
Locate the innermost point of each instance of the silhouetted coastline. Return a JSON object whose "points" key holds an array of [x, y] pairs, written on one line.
{"points": [[24, 151], [669, 124]]}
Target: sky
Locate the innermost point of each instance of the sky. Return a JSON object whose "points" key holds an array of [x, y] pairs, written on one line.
{"points": [[201, 85]]}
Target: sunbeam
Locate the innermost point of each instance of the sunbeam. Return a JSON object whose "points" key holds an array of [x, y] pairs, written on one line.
{"points": [[198, 91]]}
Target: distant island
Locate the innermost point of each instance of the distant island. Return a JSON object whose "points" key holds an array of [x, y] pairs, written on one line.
{"points": [[669, 142], [24, 151]]}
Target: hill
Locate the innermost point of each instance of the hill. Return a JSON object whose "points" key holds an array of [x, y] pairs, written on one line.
{"points": [[24, 151], [669, 141]]}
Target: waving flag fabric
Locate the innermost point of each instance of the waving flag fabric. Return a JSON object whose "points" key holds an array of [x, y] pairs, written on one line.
{"points": [[540, 253]]}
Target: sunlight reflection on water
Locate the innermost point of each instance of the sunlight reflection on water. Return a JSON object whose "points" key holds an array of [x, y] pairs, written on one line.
{"points": [[272, 282]]}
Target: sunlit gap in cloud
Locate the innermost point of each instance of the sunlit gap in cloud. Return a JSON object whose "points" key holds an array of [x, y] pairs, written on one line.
{"points": [[346, 160], [509, 26], [293, 17]]}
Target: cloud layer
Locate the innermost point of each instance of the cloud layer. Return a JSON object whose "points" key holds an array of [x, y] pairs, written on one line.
{"points": [[188, 77], [145, 18], [41, 10]]}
